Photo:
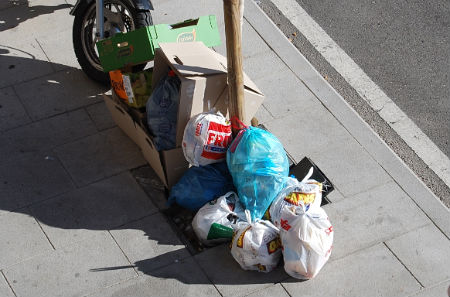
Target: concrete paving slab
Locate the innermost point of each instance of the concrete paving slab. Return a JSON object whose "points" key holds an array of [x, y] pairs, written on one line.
{"points": [[371, 272], [5, 290], [101, 116], [12, 112], [371, 217], [229, 278], [439, 290], [31, 177], [275, 290], [184, 278], [263, 115], [303, 134], [150, 243], [426, 253], [27, 22], [58, 47], [58, 93], [22, 238], [74, 270], [11, 3], [98, 156], [285, 93], [335, 196], [348, 165], [46, 134], [21, 61], [264, 64], [86, 212]]}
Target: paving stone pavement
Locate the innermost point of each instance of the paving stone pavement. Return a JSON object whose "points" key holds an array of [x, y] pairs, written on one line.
{"points": [[75, 221]]}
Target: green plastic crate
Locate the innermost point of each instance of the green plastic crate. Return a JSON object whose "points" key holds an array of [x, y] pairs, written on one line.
{"points": [[138, 46]]}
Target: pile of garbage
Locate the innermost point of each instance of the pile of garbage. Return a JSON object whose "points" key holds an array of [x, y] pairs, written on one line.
{"points": [[242, 193]]}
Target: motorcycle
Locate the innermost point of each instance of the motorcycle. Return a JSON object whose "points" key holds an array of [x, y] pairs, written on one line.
{"points": [[98, 19]]}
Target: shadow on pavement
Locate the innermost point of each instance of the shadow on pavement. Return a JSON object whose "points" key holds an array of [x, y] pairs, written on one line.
{"points": [[21, 13]]}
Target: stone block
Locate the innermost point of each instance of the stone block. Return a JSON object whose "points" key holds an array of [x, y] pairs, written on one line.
{"points": [[12, 112]]}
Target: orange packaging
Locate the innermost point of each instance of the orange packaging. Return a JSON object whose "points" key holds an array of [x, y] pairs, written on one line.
{"points": [[117, 84]]}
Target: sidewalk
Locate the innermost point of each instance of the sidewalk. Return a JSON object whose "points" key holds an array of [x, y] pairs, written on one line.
{"points": [[75, 220]]}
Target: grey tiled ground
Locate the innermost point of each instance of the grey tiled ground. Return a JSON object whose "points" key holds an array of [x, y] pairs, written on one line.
{"points": [[44, 135], [31, 177], [150, 243], [101, 155], [99, 113], [74, 270], [439, 290], [31, 242], [12, 112], [371, 272], [275, 290], [228, 276], [426, 254], [83, 213], [183, 278], [371, 217], [54, 94], [5, 290]]}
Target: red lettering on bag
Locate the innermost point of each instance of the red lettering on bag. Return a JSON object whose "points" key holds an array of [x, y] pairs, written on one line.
{"points": [[198, 129], [285, 225], [329, 230]]}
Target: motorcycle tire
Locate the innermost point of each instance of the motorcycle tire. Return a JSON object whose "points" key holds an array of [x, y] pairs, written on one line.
{"points": [[83, 39]]}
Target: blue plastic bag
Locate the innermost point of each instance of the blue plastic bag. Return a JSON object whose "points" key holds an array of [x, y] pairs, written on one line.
{"points": [[259, 167], [162, 111], [199, 185]]}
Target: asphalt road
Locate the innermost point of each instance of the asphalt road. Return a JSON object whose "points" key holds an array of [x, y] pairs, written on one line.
{"points": [[404, 47]]}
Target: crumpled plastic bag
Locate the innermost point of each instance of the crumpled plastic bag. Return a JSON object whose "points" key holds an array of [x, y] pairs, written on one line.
{"points": [[256, 246], [206, 139], [162, 111], [259, 167], [200, 185], [307, 239], [215, 222], [303, 194]]}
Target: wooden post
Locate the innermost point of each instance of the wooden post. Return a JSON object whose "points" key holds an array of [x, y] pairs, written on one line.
{"points": [[232, 17]]}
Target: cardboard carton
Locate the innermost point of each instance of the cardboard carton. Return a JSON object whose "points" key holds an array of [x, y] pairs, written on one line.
{"points": [[139, 46], [168, 165], [203, 76]]}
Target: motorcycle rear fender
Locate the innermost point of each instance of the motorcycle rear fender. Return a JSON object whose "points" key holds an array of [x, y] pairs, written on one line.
{"points": [[138, 4]]}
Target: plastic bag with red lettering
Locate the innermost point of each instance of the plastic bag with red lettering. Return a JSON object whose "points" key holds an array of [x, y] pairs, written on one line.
{"points": [[307, 240], [256, 246], [206, 139], [303, 194]]}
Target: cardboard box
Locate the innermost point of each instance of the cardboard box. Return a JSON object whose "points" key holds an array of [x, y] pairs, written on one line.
{"points": [[133, 88], [138, 46], [203, 76], [168, 165]]}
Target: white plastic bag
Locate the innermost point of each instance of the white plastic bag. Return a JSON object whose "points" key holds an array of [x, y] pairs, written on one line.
{"points": [[307, 239], [206, 139], [256, 246], [303, 194], [215, 221]]}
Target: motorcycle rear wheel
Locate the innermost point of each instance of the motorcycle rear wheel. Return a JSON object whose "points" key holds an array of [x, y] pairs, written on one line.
{"points": [[119, 16]]}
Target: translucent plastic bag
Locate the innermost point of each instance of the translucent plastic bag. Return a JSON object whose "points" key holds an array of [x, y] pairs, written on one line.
{"points": [[296, 194], [216, 220], [307, 239], [256, 246], [162, 111], [259, 167], [200, 185], [206, 139]]}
